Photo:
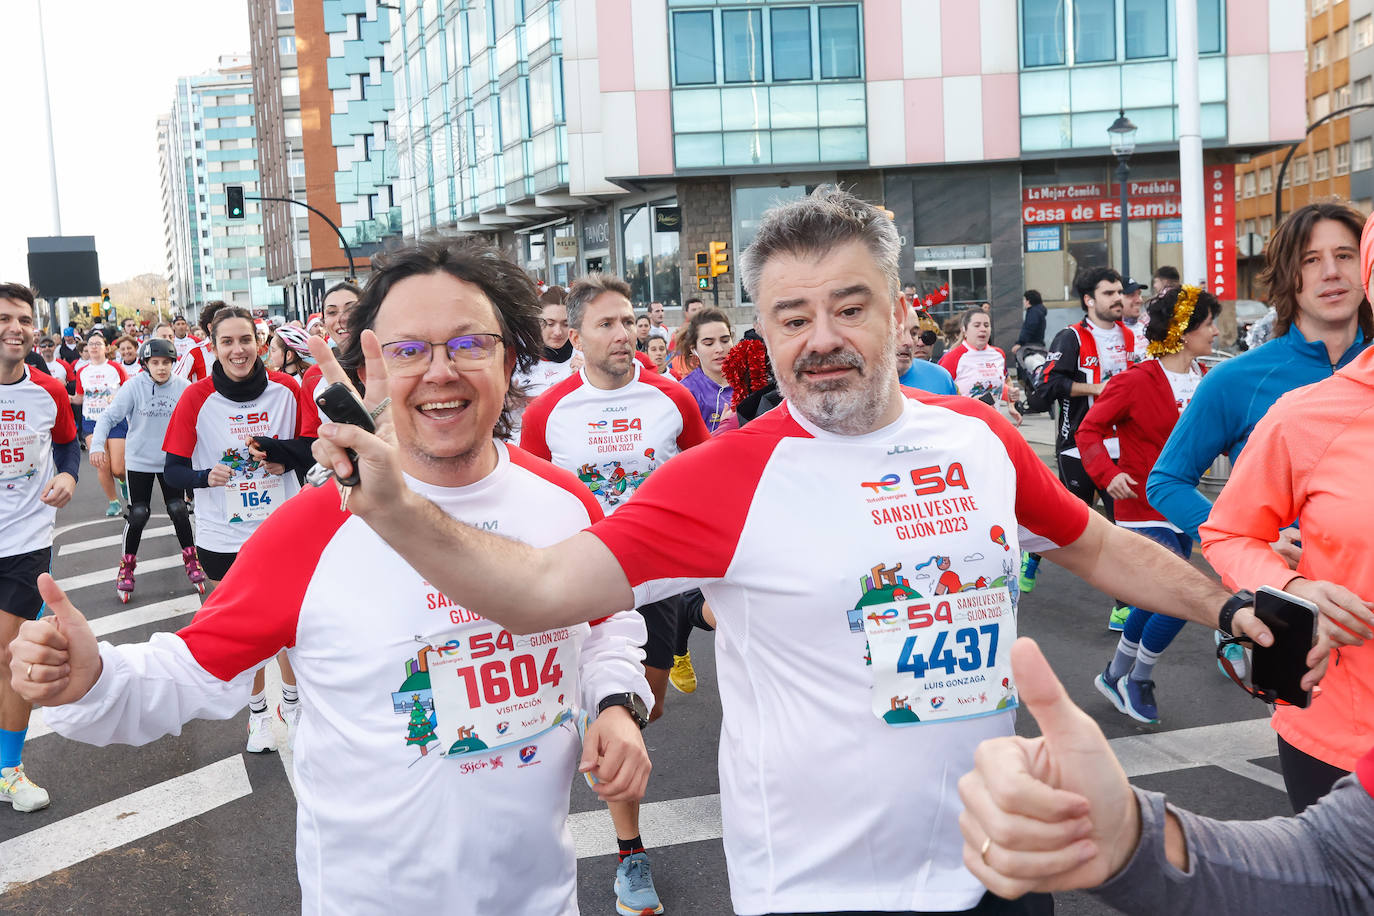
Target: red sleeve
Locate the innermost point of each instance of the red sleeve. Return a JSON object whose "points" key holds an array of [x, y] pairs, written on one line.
{"points": [[287, 382], [534, 422], [64, 430], [1043, 506], [79, 389], [694, 431], [181, 429], [251, 616], [1100, 423], [310, 413], [119, 370], [199, 370], [645, 361], [950, 361], [663, 534]]}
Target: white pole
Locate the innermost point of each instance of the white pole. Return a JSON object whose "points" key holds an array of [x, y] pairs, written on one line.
{"points": [[47, 119], [295, 229], [1190, 146]]}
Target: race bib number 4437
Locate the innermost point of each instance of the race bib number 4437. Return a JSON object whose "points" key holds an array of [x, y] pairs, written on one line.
{"points": [[941, 658]]}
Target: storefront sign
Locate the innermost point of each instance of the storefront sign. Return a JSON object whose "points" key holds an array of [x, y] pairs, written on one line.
{"points": [[596, 230], [1169, 232], [1042, 238], [1095, 203], [1219, 192], [565, 247], [667, 219]]}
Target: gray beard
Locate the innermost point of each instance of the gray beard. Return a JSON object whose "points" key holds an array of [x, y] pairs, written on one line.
{"points": [[849, 407]]}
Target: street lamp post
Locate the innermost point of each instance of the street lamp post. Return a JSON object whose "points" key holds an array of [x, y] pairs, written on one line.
{"points": [[1122, 137]]}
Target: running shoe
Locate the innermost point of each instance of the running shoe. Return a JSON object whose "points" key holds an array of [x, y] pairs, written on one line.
{"points": [[1236, 655], [1107, 687], [1030, 567], [290, 715], [1116, 622], [634, 887], [683, 676], [260, 737], [193, 570], [124, 581], [1139, 697], [22, 794], [113, 509], [122, 487]]}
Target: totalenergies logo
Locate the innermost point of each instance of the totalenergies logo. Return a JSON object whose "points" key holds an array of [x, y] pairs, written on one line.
{"points": [[598, 424], [886, 617], [890, 483], [449, 648]]}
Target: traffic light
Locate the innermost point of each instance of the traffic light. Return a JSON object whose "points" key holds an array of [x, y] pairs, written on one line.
{"points": [[703, 283], [233, 198], [703, 264], [720, 258]]}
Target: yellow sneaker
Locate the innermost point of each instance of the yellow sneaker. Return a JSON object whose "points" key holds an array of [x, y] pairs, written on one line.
{"points": [[683, 676]]}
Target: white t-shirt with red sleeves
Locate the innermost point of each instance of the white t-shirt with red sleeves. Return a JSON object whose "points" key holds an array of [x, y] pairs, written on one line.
{"points": [[34, 413], [185, 344], [97, 386], [980, 374], [613, 440], [195, 364], [211, 429], [815, 550], [1111, 349], [400, 809], [131, 369]]}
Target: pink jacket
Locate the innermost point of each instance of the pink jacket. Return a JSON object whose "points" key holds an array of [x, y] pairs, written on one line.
{"points": [[1310, 458]]}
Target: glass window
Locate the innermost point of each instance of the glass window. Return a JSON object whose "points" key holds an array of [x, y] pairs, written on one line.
{"points": [[1147, 28], [694, 48], [1042, 33], [290, 85], [667, 277], [1249, 184], [285, 6], [1364, 90], [1321, 165], [1266, 180], [791, 43], [287, 45], [1342, 97], [741, 39], [1340, 44], [839, 32], [750, 205], [1209, 26], [1094, 30], [1321, 106], [1300, 170], [636, 262], [1364, 32], [1363, 155], [1319, 6], [1318, 54], [1343, 159]]}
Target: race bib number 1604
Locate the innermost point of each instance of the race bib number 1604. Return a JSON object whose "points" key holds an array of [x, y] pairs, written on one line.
{"points": [[941, 658]]}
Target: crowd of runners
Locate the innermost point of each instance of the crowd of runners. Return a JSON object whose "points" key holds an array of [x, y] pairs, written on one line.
{"points": [[642, 482]]}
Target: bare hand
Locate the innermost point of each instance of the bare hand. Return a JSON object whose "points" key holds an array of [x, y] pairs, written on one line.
{"points": [[614, 753], [575, 364], [55, 659], [220, 475], [1120, 487], [1288, 546], [380, 484], [59, 490], [1058, 809], [100, 461], [1340, 606]]}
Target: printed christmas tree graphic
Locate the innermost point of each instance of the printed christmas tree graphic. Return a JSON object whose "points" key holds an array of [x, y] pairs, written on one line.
{"points": [[421, 731]]}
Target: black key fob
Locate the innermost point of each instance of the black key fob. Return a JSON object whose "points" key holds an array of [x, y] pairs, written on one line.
{"points": [[339, 404]]}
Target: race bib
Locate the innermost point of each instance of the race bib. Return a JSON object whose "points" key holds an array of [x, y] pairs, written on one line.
{"points": [[492, 688], [941, 658], [253, 500], [18, 457]]}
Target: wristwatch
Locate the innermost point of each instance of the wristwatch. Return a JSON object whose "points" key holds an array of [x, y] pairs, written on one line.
{"points": [[1228, 610], [632, 702]]}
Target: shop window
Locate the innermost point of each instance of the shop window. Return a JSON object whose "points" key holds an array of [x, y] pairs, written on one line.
{"points": [[1147, 29], [791, 43], [741, 36], [1094, 29], [1088, 244], [649, 258], [1042, 33]]}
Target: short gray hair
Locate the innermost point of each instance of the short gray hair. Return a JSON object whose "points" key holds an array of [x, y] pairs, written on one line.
{"points": [[815, 224], [585, 289]]}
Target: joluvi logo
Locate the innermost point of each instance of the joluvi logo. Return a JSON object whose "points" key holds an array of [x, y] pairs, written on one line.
{"points": [[889, 483], [527, 752]]}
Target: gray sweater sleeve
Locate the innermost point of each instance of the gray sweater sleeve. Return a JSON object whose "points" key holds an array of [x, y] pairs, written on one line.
{"points": [[1321, 861]]}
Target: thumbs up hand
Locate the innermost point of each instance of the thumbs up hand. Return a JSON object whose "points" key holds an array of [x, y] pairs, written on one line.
{"points": [[54, 660], [1050, 813]]}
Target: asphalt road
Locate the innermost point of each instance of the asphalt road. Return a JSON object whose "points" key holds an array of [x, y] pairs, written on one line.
{"points": [[193, 824]]}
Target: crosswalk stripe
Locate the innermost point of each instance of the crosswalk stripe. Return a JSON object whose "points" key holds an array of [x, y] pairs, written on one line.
{"points": [[74, 839], [664, 823], [113, 540], [149, 613], [107, 576]]}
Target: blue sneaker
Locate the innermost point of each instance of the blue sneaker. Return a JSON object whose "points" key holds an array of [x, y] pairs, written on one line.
{"points": [[1117, 621], [1139, 699], [634, 887], [1107, 687], [1030, 566]]}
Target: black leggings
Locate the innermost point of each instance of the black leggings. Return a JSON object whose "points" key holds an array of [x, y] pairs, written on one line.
{"points": [[140, 509], [1306, 778], [689, 618]]}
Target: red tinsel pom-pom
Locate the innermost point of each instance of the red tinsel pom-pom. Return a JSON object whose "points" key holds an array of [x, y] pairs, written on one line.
{"points": [[746, 369]]}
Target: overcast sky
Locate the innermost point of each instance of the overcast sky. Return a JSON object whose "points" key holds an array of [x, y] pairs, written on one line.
{"points": [[112, 69]]}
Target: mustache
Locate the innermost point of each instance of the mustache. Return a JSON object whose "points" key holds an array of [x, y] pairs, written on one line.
{"points": [[812, 362]]}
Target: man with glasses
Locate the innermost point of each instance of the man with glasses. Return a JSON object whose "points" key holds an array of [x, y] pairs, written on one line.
{"points": [[47, 348], [436, 734], [613, 424], [914, 368]]}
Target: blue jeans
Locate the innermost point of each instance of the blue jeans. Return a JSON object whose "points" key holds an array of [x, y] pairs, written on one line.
{"points": [[1151, 630]]}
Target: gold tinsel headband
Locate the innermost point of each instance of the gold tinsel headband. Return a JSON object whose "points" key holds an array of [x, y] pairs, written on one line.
{"points": [[1183, 313]]}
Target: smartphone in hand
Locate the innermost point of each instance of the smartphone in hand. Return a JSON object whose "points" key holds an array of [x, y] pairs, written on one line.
{"points": [[1278, 670]]}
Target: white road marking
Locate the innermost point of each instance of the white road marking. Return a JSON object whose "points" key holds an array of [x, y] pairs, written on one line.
{"points": [[665, 823], [149, 613], [74, 839], [107, 576], [113, 540]]}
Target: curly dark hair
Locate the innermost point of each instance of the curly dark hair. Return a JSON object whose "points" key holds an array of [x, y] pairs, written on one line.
{"points": [[1161, 312], [512, 293]]}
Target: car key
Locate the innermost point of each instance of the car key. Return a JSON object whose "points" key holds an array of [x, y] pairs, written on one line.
{"points": [[340, 405]]}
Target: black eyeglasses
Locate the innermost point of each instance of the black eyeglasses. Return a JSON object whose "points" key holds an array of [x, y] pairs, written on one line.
{"points": [[1268, 696], [413, 357], [928, 338]]}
